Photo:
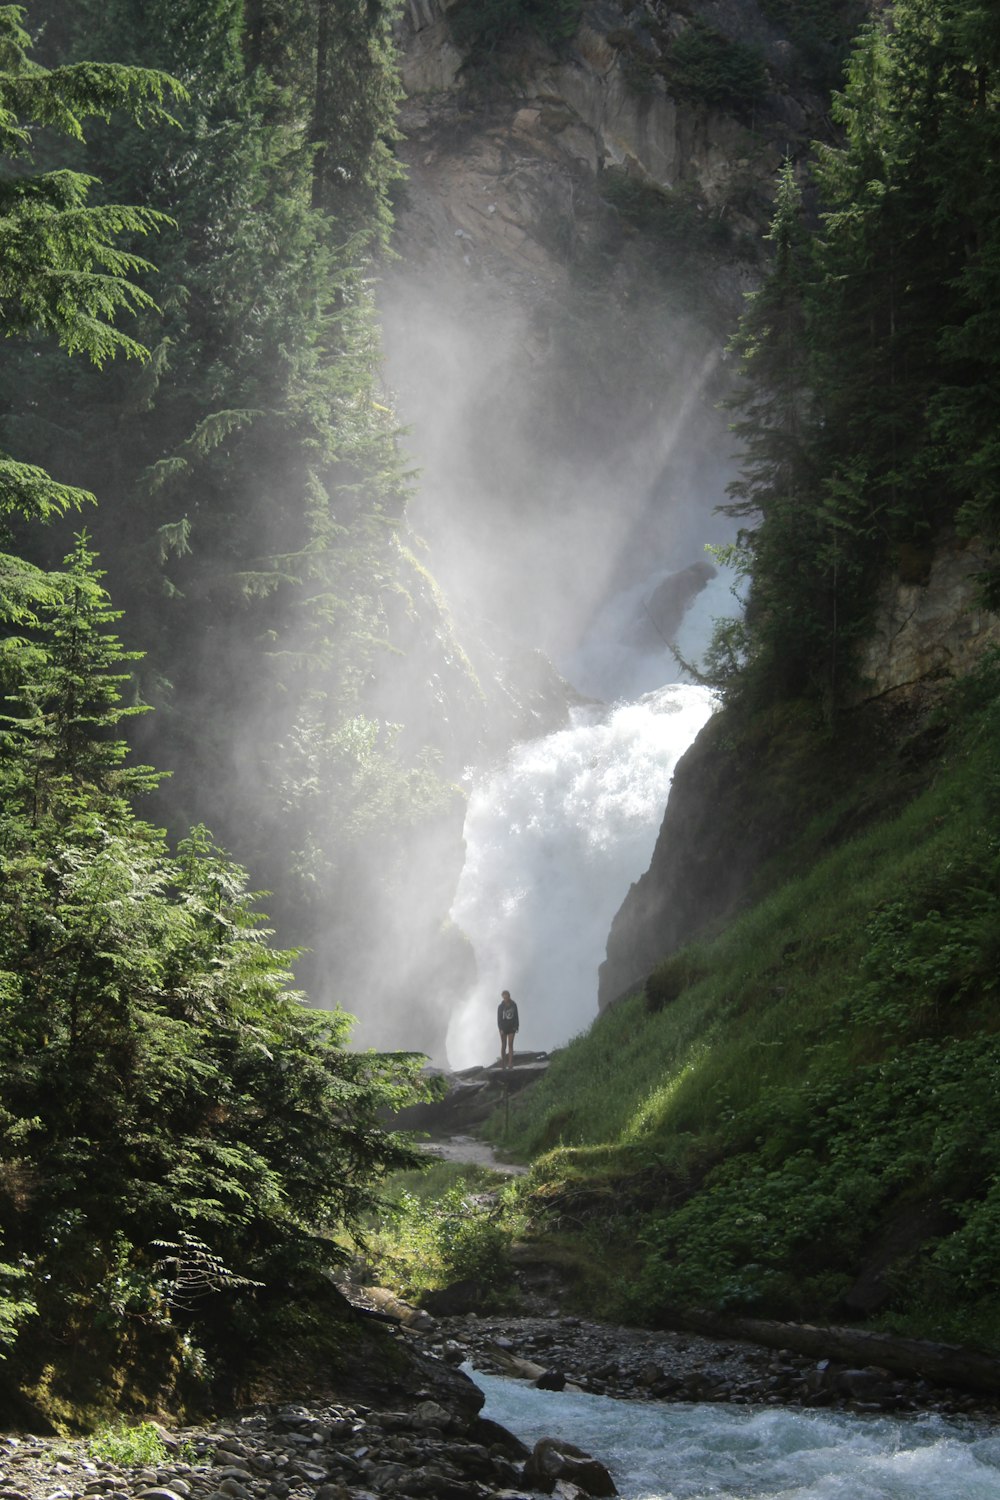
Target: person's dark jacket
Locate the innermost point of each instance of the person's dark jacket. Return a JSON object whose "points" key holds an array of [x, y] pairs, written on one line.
{"points": [[507, 1018]]}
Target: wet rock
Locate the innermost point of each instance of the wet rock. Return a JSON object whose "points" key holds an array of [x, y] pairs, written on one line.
{"points": [[552, 1461], [432, 1414]]}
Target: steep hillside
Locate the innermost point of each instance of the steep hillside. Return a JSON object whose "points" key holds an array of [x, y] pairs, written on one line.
{"points": [[795, 1114], [797, 1117], [742, 796]]}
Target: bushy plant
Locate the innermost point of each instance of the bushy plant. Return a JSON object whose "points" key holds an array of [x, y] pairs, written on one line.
{"points": [[429, 1242], [128, 1446], [710, 68], [15, 1306]]}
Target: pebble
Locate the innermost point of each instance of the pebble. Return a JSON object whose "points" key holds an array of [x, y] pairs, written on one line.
{"points": [[424, 1446], [642, 1365]]}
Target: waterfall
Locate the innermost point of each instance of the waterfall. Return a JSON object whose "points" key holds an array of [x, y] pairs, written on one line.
{"points": [[693, 1452], [553, 840], [555, 836]]}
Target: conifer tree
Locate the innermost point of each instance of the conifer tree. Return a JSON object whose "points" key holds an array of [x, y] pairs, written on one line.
{"points": [[898, 347], [251, 492], [776, 490], [168, 1106]]}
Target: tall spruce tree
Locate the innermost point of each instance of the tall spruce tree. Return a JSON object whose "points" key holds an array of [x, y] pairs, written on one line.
{"points": [[776, 490], [158, 1078], [894, 344], [169, 1109]]}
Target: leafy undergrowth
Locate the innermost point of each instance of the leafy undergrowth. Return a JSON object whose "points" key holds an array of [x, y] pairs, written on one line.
{"points": [[801, 1118], [445, 1224]]}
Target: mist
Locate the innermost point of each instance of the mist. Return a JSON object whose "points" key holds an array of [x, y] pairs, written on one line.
{"points": [[569, 456]]}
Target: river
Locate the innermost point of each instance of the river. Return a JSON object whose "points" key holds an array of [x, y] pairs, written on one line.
{"points": [[721, 1452]]}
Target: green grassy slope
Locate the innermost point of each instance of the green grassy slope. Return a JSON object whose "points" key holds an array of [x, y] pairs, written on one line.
{"points": [[801, 1117]]}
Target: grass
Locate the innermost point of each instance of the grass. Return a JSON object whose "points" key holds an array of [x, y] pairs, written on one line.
{"points": [[783, 1097], [128, 1447]]}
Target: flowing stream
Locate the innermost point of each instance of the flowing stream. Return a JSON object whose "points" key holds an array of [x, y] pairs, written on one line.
{"points": [[718, 1452]]}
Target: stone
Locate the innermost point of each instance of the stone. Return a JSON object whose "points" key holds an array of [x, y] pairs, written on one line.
{"points": [[226, 1452], [929, 623], [312, 1473], [552, 1460], [432, 1414]]}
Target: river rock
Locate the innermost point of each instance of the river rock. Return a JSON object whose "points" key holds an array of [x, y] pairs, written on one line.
{"points": [[553, 1460]]}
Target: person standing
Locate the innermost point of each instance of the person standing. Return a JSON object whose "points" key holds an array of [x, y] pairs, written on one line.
{"points": [[507, 1024]]}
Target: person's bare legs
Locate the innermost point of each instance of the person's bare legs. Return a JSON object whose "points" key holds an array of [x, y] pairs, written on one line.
{"points": [[506, 1049]]}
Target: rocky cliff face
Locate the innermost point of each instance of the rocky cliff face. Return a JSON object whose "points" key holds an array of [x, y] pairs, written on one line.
{"points": [[603, 100], [731, 810], [929, 625], [574, 239]]}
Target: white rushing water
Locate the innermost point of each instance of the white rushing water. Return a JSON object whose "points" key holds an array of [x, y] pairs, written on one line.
{"points": [[553, 840], [717, 1452], [558, 833]]}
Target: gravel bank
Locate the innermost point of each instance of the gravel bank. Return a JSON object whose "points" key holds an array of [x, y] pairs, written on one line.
{"points": [[639, 1365], [430, 1442]]}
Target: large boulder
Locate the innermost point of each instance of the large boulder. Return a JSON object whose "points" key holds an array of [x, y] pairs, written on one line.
{"points": [[553, 1460]]}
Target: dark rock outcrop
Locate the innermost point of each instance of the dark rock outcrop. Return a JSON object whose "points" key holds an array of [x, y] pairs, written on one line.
{"points": [[709, 844], [553, 1461], [670, 600], [466, 1099], [741, 801]]}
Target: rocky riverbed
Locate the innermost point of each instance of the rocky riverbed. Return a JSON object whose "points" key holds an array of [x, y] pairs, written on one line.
{"points": [[641, 1365], [429, 1441], [300, 1452]]}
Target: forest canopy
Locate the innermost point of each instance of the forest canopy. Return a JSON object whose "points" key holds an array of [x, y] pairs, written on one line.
{"points": [[171, 1112]]}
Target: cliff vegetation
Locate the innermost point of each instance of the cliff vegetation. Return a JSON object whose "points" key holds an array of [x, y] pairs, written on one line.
{"points": [[792, 1114]]}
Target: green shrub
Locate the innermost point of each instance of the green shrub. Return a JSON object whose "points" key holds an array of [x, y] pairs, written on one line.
{"points": [[783, 1228], [15, 1305], [126, 1446], [709, 68], [480, 26], [425, 1243]]}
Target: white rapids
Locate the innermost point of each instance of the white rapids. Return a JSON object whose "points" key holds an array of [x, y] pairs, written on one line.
{"points": [[718, 1452]]}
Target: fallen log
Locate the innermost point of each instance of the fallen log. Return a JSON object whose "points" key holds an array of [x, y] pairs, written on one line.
{"points": [[918, 1359]]}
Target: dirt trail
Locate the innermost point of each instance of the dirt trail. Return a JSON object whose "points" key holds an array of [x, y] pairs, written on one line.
{"points": [[466, 1150]]}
